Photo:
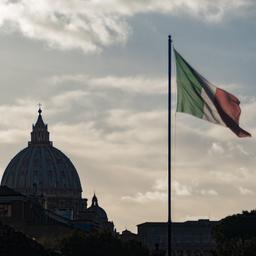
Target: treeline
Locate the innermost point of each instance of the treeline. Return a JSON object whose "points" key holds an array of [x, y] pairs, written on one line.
{"points": [[99, 244], [13, 243], [236, 235]]}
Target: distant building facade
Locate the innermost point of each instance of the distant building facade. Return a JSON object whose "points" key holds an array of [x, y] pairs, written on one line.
{"points": [[41, 187], [188, 238]]}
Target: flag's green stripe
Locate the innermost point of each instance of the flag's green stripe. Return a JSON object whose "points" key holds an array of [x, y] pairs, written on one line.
{"points": [[189, 89]]}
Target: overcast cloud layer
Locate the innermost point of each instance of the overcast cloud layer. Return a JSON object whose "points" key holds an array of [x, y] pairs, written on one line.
{"points": [[90, 25], [100, 71]]}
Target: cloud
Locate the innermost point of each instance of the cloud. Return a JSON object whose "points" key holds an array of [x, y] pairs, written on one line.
{"points": [[146, 197], [216, 148], [161, 185], [226, 176], [92, 25], [181, 190], [159, 193], [11, 136], [244, 172], [88, 121], [210, 192], [14, 119], [135, 84], [245, 191], [235, 147], [65, 24], [65, 99], [17, 114]]}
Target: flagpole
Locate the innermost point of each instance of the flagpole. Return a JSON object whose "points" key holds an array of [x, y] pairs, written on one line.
{"points": [[169, 145]]}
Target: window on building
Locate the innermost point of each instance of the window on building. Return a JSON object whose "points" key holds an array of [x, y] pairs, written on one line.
{"points": [[5, 210]]}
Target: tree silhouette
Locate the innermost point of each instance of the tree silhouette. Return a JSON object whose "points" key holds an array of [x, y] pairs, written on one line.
{"points": [[13, 243], [99, 244], [236, 235]]}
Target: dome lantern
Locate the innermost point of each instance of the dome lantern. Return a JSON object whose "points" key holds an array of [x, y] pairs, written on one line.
{"points": [[94, 200], [40, 134]]}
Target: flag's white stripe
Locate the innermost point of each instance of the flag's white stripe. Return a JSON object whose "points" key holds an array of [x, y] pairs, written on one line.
{"points": [[211, 114]]}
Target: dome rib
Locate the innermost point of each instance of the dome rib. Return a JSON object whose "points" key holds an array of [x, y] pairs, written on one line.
{"points": [[45, 183], [11, 177], [53, 167], [25, 169], [29, 177], [73, 177]]}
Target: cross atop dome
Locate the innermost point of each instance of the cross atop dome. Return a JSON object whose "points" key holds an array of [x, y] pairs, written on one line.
{"points": [[40, 134], [40, 109]]}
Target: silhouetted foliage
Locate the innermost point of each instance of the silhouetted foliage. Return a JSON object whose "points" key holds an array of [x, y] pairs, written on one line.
{"points": [[99, 244], [236, 235], [157, 251], [13, 243]]}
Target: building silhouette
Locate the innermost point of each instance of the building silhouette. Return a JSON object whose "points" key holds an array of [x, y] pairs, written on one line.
{"points": [[41, 191], [188, 238], [41, 195]]}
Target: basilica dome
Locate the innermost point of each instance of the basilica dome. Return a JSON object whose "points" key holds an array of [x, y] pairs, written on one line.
{"points": [[96, 210], [41, 169]]}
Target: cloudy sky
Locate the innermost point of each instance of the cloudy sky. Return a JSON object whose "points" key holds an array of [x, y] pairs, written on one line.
{"points": [[100, 70]]}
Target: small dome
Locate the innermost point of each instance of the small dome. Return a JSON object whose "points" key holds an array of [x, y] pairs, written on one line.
{"points": [[41, 169], [95, 209]]}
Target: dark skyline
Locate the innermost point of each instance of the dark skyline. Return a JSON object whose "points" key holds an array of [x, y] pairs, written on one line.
{"points": [[100, 72]]}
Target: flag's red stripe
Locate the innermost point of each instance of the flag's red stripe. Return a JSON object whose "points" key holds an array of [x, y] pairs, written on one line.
{"points": [[229, 110]]}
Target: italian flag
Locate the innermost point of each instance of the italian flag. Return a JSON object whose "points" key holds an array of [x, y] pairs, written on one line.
{"points": [[198, 97]]}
